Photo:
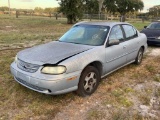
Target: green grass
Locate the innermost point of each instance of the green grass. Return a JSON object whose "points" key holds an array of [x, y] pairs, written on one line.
{"points": [[139, 25], [26, 29], [23, 29]]}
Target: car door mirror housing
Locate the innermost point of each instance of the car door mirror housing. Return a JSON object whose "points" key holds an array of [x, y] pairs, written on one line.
{"points": [[145, 27], [114, 42]]}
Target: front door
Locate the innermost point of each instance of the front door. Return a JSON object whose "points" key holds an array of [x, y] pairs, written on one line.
{"points": [[116, 54]]}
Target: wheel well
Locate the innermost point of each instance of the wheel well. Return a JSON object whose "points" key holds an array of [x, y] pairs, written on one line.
{"points": [[142, 47], [97, 65]]}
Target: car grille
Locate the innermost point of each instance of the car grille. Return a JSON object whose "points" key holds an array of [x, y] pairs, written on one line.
{"points": [[28, 67], [30, 85]]}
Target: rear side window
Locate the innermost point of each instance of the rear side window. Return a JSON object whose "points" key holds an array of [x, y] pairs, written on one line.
{"points": [[130, 32]]}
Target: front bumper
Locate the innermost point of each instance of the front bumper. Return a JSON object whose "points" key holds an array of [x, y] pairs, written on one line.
{"points": [[48, 84], [153, 41]]}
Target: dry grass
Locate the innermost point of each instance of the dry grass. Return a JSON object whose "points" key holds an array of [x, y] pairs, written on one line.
{"points": [[128, 88], [30, 29], [18, 102], [120, 95], [117, 97], [34, 30]]}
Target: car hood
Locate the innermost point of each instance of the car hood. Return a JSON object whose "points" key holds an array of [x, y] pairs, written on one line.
{"points": [[151, 32], [51, 53]]}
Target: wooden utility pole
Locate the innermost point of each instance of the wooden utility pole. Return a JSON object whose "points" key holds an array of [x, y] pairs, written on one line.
{"points": [[9, 7], [17, 13]]}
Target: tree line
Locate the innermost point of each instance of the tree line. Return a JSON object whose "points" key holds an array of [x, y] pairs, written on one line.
{"points": [[74, 9], [155, 11], [35, 10]]}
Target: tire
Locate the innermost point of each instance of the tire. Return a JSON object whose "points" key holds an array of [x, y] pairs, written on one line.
{"points": [[139, 57], [89, 81]]}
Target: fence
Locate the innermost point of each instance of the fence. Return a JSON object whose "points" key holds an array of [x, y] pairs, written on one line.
{"points": [[117, 17], [89, 17]]}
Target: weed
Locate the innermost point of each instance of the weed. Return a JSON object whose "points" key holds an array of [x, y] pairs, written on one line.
{"points": [[144, 98], [119, 115], [125, 114], [157, 78], [95, 115], [127, 90], [118, 92], [150, 68], [139, 76], [157, 92], [110, 82], [125, 102]]}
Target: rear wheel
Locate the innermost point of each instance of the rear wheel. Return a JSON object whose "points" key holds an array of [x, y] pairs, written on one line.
{"points": [[139, 57], [89, 81]]}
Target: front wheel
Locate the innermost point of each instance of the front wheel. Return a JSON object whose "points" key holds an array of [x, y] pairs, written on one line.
{"points": [[139, 57], [89, 81]]}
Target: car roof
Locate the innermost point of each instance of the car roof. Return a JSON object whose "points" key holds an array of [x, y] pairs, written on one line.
{"points": [[111, 24], [155, 22]]}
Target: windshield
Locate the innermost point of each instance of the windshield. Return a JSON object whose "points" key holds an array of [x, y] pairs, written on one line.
{"points": [[94, 35], [154, 25]]}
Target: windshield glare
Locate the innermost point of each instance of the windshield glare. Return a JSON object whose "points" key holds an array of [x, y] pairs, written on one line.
{"points": [[154, 26], [94, 35]]}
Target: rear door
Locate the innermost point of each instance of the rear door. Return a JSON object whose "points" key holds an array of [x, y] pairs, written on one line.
{"points": [[132, 42]]}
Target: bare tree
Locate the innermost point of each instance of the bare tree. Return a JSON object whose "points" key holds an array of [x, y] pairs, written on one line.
{"points": [[100, 6]]}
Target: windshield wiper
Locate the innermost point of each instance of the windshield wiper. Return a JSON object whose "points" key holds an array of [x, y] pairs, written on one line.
{"points": [[69, 42]]}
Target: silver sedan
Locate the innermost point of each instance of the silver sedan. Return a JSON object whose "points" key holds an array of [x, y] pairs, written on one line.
{"points": [[80, 58]]}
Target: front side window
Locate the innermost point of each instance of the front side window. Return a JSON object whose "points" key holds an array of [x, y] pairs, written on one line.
{"points": [[94, 35], [129, 31], [116, 33]]}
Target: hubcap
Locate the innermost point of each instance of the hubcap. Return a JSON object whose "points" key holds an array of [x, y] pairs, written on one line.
{"points": [[140, 56], [90, 82]]}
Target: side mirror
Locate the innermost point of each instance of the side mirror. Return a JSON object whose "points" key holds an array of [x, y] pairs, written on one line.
{"points": [[114, 42], [145, 27]]}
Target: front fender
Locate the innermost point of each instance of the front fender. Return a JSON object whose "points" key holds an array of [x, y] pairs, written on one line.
{"points": [[80, 61]]}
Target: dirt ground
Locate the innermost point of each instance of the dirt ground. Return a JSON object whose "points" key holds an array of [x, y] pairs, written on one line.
{"points": [[131, 93], [98, 106]]}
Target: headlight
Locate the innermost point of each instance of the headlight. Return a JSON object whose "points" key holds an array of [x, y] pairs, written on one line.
{"points": [[158, 37], [55, 70]]}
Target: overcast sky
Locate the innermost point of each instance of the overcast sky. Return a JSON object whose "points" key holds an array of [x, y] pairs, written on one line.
{"points": [[31, 4]]}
